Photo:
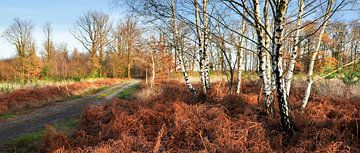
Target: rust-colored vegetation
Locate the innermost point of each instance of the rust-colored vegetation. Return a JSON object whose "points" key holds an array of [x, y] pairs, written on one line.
{"points": [[174, 121], [35, 97]]}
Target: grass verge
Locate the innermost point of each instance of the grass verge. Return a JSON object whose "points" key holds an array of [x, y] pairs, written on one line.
{"points": [[127, 93], [30, 142], [6, 115]]}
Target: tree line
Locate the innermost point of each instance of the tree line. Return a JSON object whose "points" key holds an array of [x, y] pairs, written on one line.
{"points": [[111, 50]]}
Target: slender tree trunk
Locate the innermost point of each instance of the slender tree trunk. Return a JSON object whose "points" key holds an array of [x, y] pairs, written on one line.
{"points": [[153, 73], [286, 121], [262, 58], [240, 54], [129, 66], [205, 46], [146, 76], [313, 57], [269, 99], [179, 53], [239, 68], [295, 48], [93, 62], [200, 41], [101, 55]]}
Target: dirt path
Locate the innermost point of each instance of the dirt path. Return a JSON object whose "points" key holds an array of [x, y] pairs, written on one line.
{"points": [[51, 114]]}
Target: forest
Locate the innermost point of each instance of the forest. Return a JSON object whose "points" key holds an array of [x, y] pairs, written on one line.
{"points": [[187, 76]]}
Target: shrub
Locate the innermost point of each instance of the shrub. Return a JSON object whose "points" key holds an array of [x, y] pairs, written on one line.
{"points": [[326, 65], [351, 77]]}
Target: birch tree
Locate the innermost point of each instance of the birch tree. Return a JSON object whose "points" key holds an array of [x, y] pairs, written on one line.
{"points": [[295, 48], [177, 49], [309, 76], [201, 47], [240, 53], [262, 54], [277, 63]]}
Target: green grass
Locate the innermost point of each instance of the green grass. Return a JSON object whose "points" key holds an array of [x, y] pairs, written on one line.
{"points": [[94, 91], [6, 115], [126, 94], [103, 95], [67, 126], [27, 143], [30, 142]]}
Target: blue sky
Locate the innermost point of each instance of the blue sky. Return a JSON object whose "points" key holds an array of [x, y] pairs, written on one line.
{"points": [[61, 13]]}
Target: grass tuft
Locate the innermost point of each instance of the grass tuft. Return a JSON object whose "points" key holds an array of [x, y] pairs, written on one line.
{"points": [[30, 142], [6, 115], [127, 93]]}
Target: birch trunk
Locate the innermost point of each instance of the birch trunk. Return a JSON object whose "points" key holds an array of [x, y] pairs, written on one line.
{"points": [[286, 121], [295, 48], [200, 41], [269, 102], [262, 53], [177, 50], [239, 66], [313, 57], [206, 42], [240, 54]]}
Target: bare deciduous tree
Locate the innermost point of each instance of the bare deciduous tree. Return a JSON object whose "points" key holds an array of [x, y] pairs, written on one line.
{"points": [[48, 45], [90, 30], [19, 34]]}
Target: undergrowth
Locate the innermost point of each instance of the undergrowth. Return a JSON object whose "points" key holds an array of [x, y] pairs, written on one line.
{"points": [[37, 97], [175, 121]]}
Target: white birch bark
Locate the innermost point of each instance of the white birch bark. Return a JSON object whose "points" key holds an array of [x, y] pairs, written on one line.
{"points": [[240, 54], [200, 41], [262, 58], [177, 50], [270, 84], [309, 76], [295, 48], [277, 64], [205, 46]]}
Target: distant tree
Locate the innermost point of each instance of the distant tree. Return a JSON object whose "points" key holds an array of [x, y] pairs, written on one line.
{"points": [[90, 30], [19, 34], [103, 25], [130, 37], [48, 46]]}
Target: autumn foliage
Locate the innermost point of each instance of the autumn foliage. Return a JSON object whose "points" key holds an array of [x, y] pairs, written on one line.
{"points": [[174, 121]]}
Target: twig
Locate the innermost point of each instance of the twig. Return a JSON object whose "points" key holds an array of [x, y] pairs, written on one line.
{"points": [[202, 140], [158, 139]]}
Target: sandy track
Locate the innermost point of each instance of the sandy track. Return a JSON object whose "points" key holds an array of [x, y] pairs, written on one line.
{"points": [[30, 122]]}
